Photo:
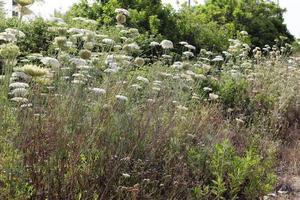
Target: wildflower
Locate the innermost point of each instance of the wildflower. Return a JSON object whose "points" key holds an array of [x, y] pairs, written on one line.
{"points": [[9, 51], [213, 96], [15, 32], [85, 54], [177, 65], [142, 79], [51, 62], [78, 61], [207, 89], [167, 44], [24, 3], [108, 41], [154, 44], [188, 54], [126, 175], [121, 18], [131, 48], [244, 33], [20, 100], [33, 70], [183, 43], [88, 45], [8, 37], [122, 11], [18, 85], [190, 47], [98, 91], [60, 41], [218, 59], [28, 105], [139, 61], [122, 98], [112, 70], [79, 82], [19, 92], [136, 86]]}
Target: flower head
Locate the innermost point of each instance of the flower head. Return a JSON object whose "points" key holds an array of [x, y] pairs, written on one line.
{"points": [[167, 44], [33, 70]]}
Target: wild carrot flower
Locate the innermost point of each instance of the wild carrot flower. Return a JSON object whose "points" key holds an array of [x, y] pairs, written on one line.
{"points": [[167, 44], [143, 79], [51, 62], [9, 51], [213, 96], [122, 98], [8, 37], [33, 70], [24, 2], [139, 61]]}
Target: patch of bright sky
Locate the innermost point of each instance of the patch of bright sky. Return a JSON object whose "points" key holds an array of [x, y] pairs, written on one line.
{"points": [[292, 15]]}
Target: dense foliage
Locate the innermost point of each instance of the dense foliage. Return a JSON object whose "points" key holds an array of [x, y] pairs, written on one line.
{"points": [[206, 26]]}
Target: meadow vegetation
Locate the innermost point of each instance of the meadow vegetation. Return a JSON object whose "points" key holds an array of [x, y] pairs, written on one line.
{"points": [[113, 112]]}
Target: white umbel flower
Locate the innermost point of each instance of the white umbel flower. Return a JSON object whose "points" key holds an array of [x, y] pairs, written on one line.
{"points": [[18, 85], [122, 98], [154, 44], [98, 91], [108, 41], [142, 79], [122, 11], [167, 44], [51, 62], [19, 92], [190, 47], [19, 100], [213, 96]]}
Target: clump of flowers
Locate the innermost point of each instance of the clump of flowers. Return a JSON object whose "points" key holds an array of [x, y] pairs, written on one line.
{"points": [[167, 44], [139, 61], [85, 54], [33, 70], [7, 37], [61, 42], [122, 15], [9, 51]]}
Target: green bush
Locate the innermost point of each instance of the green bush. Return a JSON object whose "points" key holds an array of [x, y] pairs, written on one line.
{"points": [[234, 92], [37, 39], [234, 176]]}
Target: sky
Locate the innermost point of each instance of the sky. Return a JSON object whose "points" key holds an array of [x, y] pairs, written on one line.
{"points": [[292, 16]]}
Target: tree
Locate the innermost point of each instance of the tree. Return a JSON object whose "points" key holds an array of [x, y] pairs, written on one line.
{"points": [[262, 19], [206, 26]]}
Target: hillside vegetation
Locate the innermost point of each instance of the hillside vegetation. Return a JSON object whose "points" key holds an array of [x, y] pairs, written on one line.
{"points": [[89, 111]]}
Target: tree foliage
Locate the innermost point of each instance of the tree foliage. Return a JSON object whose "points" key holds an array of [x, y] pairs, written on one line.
{"points": [[206, 26]]}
